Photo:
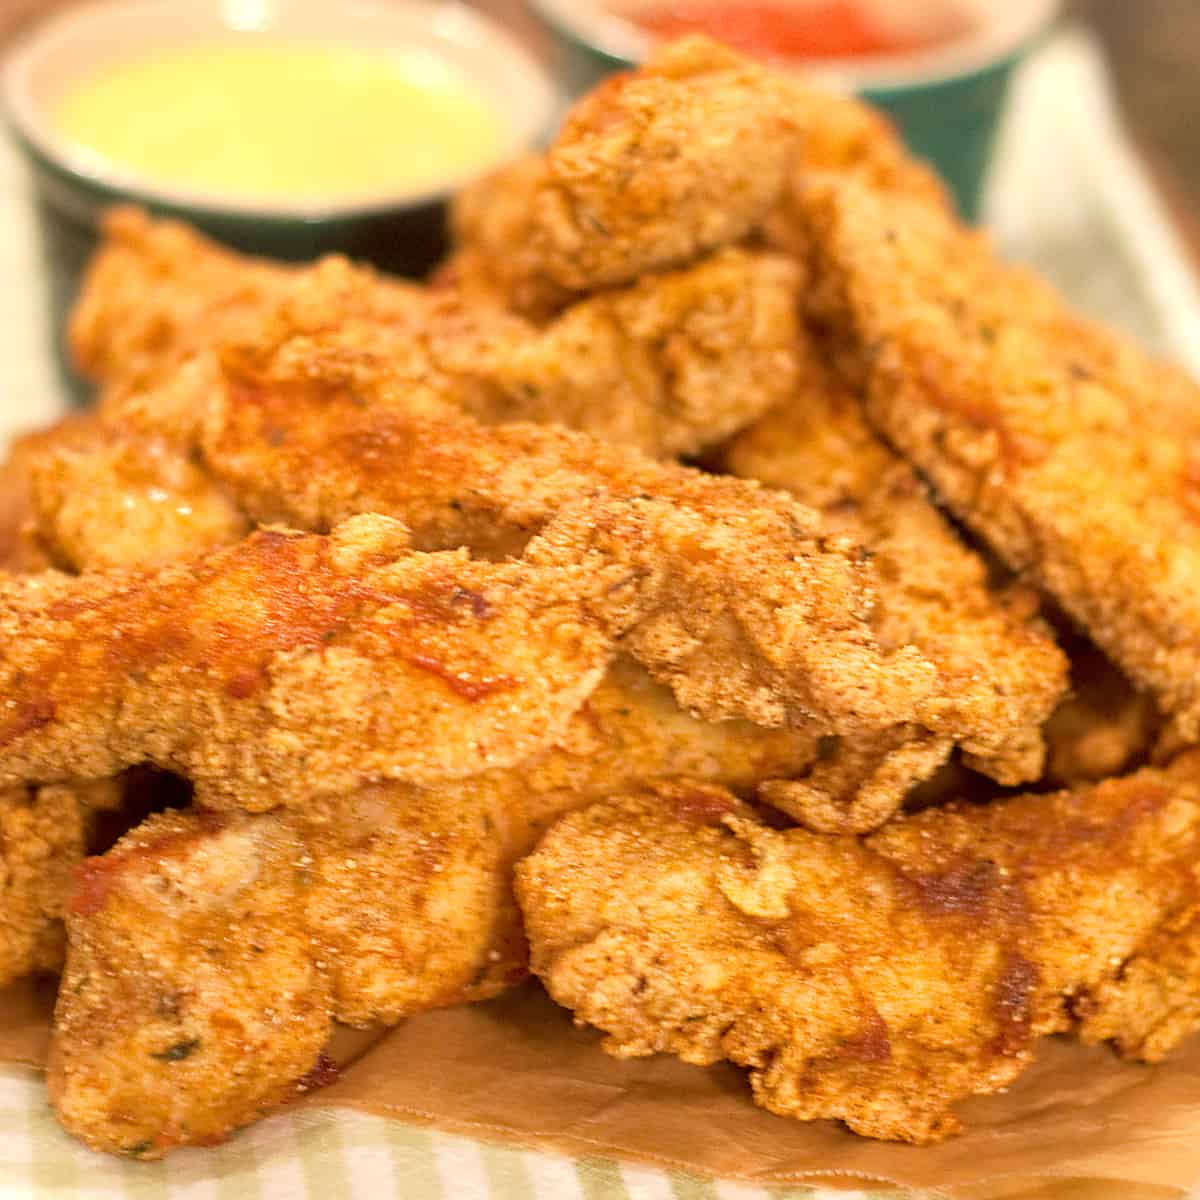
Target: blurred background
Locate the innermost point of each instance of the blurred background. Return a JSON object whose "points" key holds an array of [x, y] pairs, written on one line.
{"points": [[1154, 46]]}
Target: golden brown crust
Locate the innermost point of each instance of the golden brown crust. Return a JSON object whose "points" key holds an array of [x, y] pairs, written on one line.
{"points": [[400, 899], [291, 665], [311, 431], [840, 133], [43, 837], [491, 659], [44, 832], [100, 499], [223, 895], [1069, 451], [875, 981], [669, 365], [651, 170], [999, 669], [1153, 1001], [697, 149], [493, 263], [21, 551], [157, 292], [844, 136]]}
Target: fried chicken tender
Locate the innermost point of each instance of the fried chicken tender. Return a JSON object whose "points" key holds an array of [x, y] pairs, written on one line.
{"points": [[1000, 669], [223, 895], [210, 954], [293, 666], [44, 832], [398, 900], [843, 135], [44, 835], [101, 499], [310, 432], [1153, 1002], [252, 670], [20, 549], [1067, 450], [158, 291], [874, 981], [491, 222], [672, 364], [653, 169], [590, 213]]}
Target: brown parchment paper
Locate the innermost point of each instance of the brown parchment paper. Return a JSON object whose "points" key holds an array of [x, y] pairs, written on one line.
{"points": [[516, 1070]]}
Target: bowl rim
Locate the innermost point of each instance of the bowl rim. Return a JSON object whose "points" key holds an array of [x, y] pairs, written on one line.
{"points": [[446, 21], [1004, 34]]}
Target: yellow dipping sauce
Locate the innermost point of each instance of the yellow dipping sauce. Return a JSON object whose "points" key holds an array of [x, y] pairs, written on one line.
{"points": [[265, 120]]}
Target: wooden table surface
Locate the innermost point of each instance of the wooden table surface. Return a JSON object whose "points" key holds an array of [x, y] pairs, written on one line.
{"points": [[1154, 46]]}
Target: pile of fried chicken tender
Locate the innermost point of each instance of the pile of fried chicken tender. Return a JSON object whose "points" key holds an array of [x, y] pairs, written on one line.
{"points": [[370, 645]]}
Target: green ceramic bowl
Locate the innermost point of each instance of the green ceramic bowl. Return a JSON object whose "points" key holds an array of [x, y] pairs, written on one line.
{"points": [[398, 230], [947, 100]]}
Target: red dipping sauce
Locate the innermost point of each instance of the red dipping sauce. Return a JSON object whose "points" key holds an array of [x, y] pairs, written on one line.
{"points": [[824, 29]]}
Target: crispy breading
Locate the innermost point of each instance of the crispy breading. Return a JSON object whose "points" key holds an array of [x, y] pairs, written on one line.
{"points": [[44, 832], [400, 900], [844, 135], [1153, 1002], [20, 548], [997, 663], [253, 669], [342, 341], [652, 169], [875, 981], [127, 1059], [209, 955], [591, 212], [311, 431], [671, 364], [101, 499], [630, 729], [383, 445], [158, 291], [1068, 451], [44, 835], [293, 665], [493, 263]]}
